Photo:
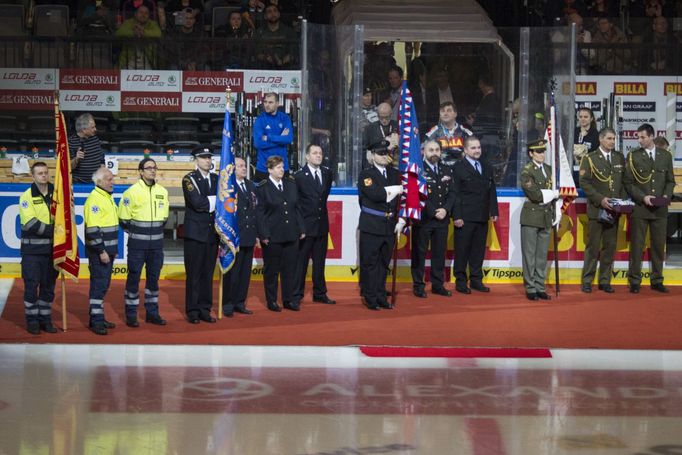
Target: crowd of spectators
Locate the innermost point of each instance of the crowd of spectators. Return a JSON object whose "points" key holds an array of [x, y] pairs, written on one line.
{"points": [[185, 34]]}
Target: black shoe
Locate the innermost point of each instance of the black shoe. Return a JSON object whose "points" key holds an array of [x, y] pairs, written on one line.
{"points": [[293, 306], [109, 325], [385, 305], [419, 293], [33, 327], [531, 296], [242, 310], [228, 314], [543, 296], [193, 319], [463, 289], [660, 288], [441, 291], [155, 319], [272, 306], [132, 322], [634, 288], [207, 318], [48, 327], [98, 329], [586, 288], [607, 288], [324, 299], [480, 287]]}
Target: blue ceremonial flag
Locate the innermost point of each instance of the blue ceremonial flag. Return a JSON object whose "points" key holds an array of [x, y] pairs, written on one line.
{"points": [[415, 194], [226, 200]]}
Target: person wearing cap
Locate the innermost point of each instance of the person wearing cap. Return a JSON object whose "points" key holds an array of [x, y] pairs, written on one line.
{"points": [[199, 188], [142, 212], [536, 220], [378, 190], [601, 178], [369, 110]]}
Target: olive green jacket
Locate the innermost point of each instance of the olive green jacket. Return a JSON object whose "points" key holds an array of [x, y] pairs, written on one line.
{"points": [[534, 212], [644, 177], [599, 179]]}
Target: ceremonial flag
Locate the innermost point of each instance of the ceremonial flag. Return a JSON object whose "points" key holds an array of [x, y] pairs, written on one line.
{"points": [[65, 246], [413, 198], [563, 177], [226, 206]]}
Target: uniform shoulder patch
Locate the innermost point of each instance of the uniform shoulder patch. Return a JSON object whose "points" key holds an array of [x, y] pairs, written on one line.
{"points": [[94, 209], [187, 183], [583, 172], [367, 181], [125, 201], [24, 204]]}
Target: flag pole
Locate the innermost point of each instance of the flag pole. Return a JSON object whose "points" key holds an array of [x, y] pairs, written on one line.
{"points": [[221, 275], [61, 275], [555, 184], [394, 272]]}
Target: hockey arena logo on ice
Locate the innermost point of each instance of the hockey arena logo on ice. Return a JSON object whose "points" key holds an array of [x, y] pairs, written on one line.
{"points": [[629, 88]]}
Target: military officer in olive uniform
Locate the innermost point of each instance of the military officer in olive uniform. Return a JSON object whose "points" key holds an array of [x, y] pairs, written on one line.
{"points": [[433, 227], [536, 220], [601, 178], [650, 182]]}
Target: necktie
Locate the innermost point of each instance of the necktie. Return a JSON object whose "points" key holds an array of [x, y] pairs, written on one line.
{"points": [[435, 170], [608, 158], [208, 183], [478, 167], [243, 186], [384, 173], [542, 168], [317, 178], [280, 187], [651, 155]]}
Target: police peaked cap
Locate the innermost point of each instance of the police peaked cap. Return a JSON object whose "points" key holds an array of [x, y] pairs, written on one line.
{"points": [[538, 145], [202, 150]]}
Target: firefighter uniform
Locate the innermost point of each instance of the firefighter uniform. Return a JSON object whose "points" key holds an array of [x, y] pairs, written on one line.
{"points": [[600, 177], [36, 258], [645, 176], [101, 235], [142, 212]]}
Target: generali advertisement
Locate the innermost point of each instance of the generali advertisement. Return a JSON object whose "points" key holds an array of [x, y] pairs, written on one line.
{"points": [[137, 90], [645, 100], [502, 261]]}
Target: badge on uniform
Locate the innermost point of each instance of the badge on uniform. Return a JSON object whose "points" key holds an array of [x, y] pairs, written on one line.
{"points": [[582, 171], [188, 185], [126, 201], [24, 204], [94, 209], [368, 181], [446, 178]]}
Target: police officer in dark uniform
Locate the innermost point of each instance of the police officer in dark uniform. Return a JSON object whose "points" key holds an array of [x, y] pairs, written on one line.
{"points": [[37, 270], [313, 182], [280, 227], [601, 178], [378, 190], [433, 227], [236, 281], [201, 240], [650, 181]]}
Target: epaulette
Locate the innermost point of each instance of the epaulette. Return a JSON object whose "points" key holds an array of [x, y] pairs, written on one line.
{"points": [[432, 130], [467, 131], [528, 166], [290, 177], [262, 182]]}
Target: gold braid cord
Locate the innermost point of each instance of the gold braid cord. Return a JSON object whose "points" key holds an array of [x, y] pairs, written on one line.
{"points": [[641, 180], [599, 175]]}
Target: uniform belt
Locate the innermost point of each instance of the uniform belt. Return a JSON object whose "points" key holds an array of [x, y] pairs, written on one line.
{"points": [[376, 212]]}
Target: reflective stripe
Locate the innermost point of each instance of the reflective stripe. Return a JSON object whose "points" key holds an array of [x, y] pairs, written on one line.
{"points": [[146, 224], [146, 237], [109, 229], [96, 311], [110, 242], [29, 224], [195, 184], [45, 312], [36, 241], [90, 230], [41, 229], [31, 312], [94, 242], [44, 303], [133, 302], [150, 292], [130, 295], [29, 304], [95, 229], [96, 301]]}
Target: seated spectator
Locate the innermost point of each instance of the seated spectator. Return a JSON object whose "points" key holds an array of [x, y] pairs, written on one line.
{"points": [[185, 48], [144, 55], [252, 13], [235, 27], [610, 60], [237, 52], [583, 36], [662, 58], [175, 11], [97, 22], [129, 7], [274, 42]]}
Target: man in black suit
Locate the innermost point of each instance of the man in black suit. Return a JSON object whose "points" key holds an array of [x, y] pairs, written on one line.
{"points": [[378, 188], [280, 227], [201, 240], [313, 182], [236, 281], [381, 133], [475, 203], [433, 227]]}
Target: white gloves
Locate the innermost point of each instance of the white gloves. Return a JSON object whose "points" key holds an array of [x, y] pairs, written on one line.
{"points": [[399, 226], [549, 195], [392, 191], [211, 203], [557, 212]]}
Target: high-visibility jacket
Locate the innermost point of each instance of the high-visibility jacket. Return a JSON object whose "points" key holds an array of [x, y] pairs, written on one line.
{"points": [[143, 211], [37, 227], [101, 222]]}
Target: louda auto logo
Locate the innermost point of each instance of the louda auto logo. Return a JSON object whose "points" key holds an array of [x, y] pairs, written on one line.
{"points": [[222, 389]]}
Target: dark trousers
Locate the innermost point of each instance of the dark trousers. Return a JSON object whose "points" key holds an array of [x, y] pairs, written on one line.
{"points": [[315, 248], [601, 247], [200, 260], [657, 236], [153, 260], [375, 257], [437, 236], [100, 279], [236, 281], [39, 279], [469, 251], [279, 262]]}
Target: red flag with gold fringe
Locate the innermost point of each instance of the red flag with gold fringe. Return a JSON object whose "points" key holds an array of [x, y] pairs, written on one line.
{"points": [[65, 249]]}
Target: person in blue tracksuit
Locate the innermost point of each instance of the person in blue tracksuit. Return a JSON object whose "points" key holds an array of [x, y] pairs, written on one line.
{"points": [[272, 133]]}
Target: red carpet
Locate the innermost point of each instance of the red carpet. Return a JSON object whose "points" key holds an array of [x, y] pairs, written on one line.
{"points": [[503, 318]]}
